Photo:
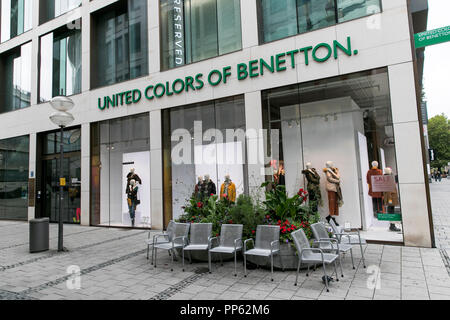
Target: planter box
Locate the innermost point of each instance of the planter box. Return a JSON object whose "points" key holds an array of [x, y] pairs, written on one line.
{"points": [[286, 260]]}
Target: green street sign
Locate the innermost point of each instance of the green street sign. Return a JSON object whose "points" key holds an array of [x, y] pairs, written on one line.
{"points": [[389, 217], [429, 38]]}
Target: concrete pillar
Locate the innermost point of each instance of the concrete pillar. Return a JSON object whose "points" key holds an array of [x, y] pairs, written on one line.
{"points": [[153, 36], [156, 169], [32, 171], [413, 196], [255, 142], [249, 23], [85, 173], [85, 46]]}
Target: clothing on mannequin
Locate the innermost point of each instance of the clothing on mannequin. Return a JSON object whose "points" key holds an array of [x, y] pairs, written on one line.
{"points": [[228, 189], [279, 175], [199, 188], [376, 196], [132, 199], [209, 187], [132, 176], [335, 199], [313, 187], [391, 200]]}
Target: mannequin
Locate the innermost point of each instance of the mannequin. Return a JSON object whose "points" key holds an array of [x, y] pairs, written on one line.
{"points": [[209, 187], [132, 176], [198, 190], [376, 196], [313, 178], [279, 175], [228, 189], [333, 187], [132, 199], [390, 200]]}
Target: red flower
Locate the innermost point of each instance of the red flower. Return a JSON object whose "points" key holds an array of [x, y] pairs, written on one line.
{"points": [[199, 204], [231, 221], [212, 194], [279, 221], [224, 196], [253, 231]]}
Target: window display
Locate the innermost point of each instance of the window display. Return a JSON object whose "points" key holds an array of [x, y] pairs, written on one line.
{"points": [[204, 153], [339, 124], [120, 184]]}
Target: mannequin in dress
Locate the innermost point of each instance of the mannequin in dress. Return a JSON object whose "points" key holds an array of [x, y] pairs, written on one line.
{"points": [[333, 187], [228, 189], [313, 187], [198, 190], [132, 199], [390, 200], [377, 197], [279, 175], [209, 187]]}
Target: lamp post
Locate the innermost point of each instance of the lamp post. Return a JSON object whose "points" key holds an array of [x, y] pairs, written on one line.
{"points": [[62, 118]]}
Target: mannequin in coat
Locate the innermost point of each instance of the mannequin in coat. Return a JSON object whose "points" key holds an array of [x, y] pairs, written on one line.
{"points": [[376, 196], [333, 187], [390, 200], [313, 187], [228, 189]]}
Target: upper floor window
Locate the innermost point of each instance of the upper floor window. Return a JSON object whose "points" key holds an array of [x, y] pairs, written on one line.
{"points": [[284, 18], [15, 18], [194, 30], [50, 9], [15, 78], [60, 63], [119, 43]]}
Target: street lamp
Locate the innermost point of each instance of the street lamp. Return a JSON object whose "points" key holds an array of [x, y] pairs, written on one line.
{"points": [[62, 118]]}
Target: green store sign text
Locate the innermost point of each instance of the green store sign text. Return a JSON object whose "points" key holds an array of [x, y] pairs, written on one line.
{"points": [[252, 69]]}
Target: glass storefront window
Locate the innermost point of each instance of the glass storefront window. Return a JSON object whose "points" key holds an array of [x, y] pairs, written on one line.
{"points": [[119, 51], [14, 160], [344, 123], [119, 147], [15, 18], [194, 30], [15, 77], [60, 63], [47, 178], [284, 18], [50, 9], [206, 139]]}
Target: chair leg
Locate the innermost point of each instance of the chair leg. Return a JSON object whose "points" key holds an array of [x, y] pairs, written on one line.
{"points": [[173, 253], [148, 250], [362, 255], [245, 265], [156, 252], [182, 256], [340, 265], [209, 261], [335, 270], [153, 253], [353, 262], [271, 265], [307, 272], [298, 270], [326, 277], [235, 262]]}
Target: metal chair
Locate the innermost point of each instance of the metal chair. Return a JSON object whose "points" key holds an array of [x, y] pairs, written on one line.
{"points": [[309, 255], [351, 238], [267, 244], [178, 240], [162, 237], [199, 238], [327, 244], [230, 241]]}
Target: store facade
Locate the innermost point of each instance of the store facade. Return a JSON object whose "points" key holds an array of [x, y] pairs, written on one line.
{"points": [[165, 92]]}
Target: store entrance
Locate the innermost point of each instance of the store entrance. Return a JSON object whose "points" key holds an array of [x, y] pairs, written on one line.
{"points": [[71, 203]]}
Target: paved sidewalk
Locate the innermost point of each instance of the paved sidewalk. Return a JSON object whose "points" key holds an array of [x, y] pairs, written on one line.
{"points": [[113, 265], [440, 204]]}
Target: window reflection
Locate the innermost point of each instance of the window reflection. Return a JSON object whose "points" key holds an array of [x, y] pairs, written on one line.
{"points": [[15, 18], [50, 9]]}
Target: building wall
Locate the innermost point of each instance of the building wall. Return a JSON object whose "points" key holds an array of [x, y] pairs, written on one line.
{"points": [[381, 39]]}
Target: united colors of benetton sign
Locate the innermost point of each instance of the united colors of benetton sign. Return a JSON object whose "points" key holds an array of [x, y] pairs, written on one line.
{"points": [[319, 53], [429, 38]]}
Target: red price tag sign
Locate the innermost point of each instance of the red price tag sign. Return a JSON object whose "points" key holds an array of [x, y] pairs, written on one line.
{"points": [[383, 184]]}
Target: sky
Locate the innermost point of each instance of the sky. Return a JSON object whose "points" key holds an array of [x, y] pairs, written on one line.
{"points": [[437, 62]]}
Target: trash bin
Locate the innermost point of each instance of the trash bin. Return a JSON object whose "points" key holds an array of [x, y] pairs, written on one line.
{"points": [[39, 235]]}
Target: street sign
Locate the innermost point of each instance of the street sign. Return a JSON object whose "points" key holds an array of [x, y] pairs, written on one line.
{"points": [[429, 38], [389, 217]]}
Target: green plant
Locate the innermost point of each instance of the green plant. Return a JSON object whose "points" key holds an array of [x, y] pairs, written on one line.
{"points": [[248, 214]]}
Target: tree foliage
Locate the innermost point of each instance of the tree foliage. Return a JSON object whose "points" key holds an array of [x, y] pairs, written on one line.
{"points": [[439, 137]]}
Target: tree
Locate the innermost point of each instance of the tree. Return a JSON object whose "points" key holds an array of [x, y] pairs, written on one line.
{"points": [[439, 137]]}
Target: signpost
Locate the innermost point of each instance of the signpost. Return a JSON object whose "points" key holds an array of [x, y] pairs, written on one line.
{"points": [[432, 37]]}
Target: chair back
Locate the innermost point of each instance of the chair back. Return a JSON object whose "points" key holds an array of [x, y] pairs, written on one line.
{"points": [[171, 229], [300, 241], [181, 230], [229, 233], [335, 229], [265, 235], [319, 231], [200, 232]]}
